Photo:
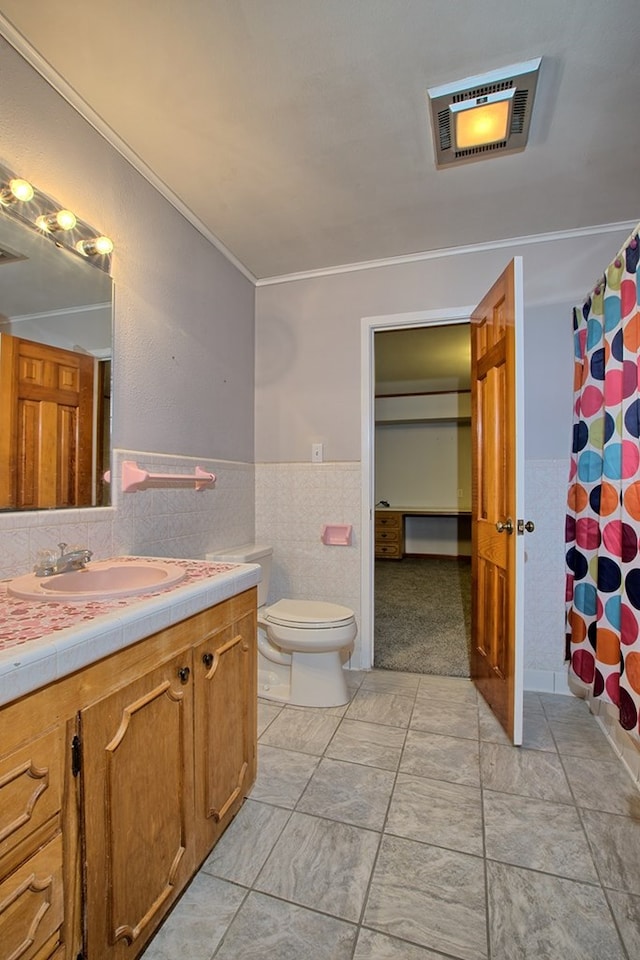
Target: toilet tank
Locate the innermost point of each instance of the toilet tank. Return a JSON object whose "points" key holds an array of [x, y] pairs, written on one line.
{"points": [[248, 553]]}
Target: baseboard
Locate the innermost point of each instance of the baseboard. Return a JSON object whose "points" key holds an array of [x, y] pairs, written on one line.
{"points": [[437, 556], [547, 681]]}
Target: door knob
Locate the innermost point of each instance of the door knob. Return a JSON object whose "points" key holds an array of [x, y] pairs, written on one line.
{"points": [[183, 674], [207, 659], [505, 526]]}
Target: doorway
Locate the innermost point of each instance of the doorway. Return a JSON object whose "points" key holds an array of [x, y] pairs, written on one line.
{"points": [[422, 481], [371, 326]]}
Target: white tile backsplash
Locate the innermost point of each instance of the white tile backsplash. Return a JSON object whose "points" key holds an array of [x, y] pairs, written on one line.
{"points": [[163, 520]]}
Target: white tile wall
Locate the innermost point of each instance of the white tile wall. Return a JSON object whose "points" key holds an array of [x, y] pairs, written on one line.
{"points": [[163, 520], [293, 502], [286, 504]]}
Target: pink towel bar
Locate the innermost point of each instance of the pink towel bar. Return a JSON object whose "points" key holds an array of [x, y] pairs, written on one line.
{"points": [[133, 477]]}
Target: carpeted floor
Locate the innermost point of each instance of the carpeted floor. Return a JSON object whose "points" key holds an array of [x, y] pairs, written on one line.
{"points": [[423, 615]]}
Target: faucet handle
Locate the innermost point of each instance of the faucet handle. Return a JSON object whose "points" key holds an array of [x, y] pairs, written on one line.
{"points": [[45, 561], [62, 547]]}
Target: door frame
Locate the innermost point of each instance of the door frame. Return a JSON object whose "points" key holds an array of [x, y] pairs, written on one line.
{"points": [[368, 328]]}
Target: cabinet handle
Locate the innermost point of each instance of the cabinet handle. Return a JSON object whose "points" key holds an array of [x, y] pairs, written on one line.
{"points": [[183, 674], [207, 659]]}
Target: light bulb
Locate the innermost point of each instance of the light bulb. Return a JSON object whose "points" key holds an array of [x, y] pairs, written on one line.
{"points": [[99, 245], [16, 189], [21, 189], [65, 219], [62, 220]]}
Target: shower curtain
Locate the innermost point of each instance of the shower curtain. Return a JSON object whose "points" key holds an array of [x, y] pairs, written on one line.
{"points": [[603, 516]]}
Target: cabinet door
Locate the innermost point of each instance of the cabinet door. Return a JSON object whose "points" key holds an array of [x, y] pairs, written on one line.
{"points": [[31, 906], [137, 806], [225, 726], [31, 783], [31, 853]]}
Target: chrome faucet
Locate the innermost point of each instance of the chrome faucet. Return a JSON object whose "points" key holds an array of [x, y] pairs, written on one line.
{"points": [[49, 564]]}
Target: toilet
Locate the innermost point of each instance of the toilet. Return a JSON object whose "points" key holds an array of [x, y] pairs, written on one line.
{"points": [[300, 642]]}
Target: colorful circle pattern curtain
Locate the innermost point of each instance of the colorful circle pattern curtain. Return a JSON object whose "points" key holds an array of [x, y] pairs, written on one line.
{"points": [[603, 517]]}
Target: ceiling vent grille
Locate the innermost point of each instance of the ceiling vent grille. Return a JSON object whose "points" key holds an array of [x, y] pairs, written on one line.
{"points": [[521, 78]]}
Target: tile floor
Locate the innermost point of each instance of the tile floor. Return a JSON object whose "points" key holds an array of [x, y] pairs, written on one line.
{"points": [[405, 827]]}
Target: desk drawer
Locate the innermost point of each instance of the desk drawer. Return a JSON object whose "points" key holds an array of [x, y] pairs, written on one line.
{"points": [[388, 521], [388, 536], [390, 551]]}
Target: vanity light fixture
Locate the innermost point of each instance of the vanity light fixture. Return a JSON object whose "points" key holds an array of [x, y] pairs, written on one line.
{"points": [[52, 220], [99, 246], [62, 220], [16, 189], [484, 115]]}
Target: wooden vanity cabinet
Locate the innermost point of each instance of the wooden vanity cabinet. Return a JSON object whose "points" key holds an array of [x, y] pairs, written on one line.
{"points": [[109, 807]]}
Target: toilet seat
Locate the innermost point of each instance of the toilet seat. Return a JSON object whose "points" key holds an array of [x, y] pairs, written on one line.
{"points": [[308, 615]]}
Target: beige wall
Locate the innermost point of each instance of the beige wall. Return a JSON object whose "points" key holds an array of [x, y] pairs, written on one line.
{"points": [[308, 340], [308, 389], [184, 348]]}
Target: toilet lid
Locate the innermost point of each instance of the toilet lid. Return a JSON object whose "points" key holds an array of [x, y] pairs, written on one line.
{"points": [[308, 613]]}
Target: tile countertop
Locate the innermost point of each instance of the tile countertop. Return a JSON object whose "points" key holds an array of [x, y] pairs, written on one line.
{"points": [[42, 642]]}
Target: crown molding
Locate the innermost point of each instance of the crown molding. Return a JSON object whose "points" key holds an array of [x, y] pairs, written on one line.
{"points": [[573, 234], [73, 98]]}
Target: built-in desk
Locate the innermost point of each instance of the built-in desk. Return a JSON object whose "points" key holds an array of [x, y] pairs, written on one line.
{"points": [[390, 528]]}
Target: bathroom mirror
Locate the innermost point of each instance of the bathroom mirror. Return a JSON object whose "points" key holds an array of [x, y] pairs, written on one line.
{"points": [[54, 297]]}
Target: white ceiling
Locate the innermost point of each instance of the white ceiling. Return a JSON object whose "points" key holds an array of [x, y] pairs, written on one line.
{"points": [[297, 133]]}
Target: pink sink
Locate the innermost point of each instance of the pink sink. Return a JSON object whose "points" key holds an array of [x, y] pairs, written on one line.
{"points": [[102, 580]]}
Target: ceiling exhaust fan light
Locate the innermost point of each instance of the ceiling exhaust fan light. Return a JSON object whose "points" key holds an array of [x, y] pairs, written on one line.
{"points": [[483, 116], [477, 124]]}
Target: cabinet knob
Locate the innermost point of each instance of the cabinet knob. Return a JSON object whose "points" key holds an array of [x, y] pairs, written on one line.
{"points": [[207, 659], [183, 674]]}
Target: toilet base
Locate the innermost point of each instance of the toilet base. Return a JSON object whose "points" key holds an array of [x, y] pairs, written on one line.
{"points": [[271, 687], [318, 680]]}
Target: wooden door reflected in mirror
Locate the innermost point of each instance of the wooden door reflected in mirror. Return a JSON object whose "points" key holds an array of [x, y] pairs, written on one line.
{"points": [[47, 403]]}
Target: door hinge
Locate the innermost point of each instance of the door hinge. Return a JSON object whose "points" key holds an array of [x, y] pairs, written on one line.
{"points": [[76, 756]]}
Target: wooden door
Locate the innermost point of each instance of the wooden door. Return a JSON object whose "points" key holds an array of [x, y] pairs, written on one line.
{"points": [[225, 725], [46, 425], [137, 772], [497, 458]]}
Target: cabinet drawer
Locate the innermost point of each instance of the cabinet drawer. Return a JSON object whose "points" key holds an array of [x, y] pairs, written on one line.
{"points": [[390, 550], [31, 905], [31, 782]]}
